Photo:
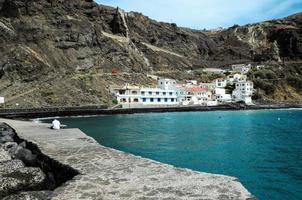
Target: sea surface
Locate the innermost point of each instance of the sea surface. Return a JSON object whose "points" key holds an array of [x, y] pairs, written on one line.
{"points": [[262, 148]]}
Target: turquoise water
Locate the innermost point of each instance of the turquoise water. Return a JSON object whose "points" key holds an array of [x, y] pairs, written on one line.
{"points": [[262, 148]]}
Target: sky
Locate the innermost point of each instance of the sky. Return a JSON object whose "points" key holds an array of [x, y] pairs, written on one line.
{"points": [[209, 14]]}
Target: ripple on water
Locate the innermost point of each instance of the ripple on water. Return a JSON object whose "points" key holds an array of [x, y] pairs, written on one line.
{"points": [[261, 148]]}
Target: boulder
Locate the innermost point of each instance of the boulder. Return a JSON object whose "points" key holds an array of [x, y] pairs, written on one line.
{"points": [[4, 155], [22, 179], [7, 132], [22, 144], [10, 133], [5, 139], [9, 166], [32, 195], [10, 147], [25, 155]]}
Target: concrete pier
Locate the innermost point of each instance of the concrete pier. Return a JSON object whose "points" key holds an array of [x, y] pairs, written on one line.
{"points": [[106, 173]]}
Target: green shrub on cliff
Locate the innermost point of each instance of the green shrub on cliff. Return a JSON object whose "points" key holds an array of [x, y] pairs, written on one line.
{"points": [[114, 101], [264, 85]]}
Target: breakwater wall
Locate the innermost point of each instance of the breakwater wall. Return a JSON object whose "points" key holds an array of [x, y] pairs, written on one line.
{"points": [[102, 110], [105, 173]]}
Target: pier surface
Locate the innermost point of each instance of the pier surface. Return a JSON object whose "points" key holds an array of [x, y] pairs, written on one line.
{"points": [[106, 173]]}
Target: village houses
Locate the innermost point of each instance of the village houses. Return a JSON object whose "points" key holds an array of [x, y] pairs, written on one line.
{"points": [[169, 93]]}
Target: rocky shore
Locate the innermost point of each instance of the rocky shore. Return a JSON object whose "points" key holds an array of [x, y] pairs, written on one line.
{"points": [[67, 164], [25, 173]]}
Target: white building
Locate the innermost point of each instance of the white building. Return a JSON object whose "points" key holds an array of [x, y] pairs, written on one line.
{"points": [[208, 86], [243, 92], [166, 84], [196, 95], [220, 83], [221, 95], [191, 82], [2, 100], [214, 70], [158, 96], [258, 67], [236, 78], [134, 97], [127, 94], [241, 68]]}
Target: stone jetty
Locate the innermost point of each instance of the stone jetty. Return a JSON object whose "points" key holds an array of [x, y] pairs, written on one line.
{"points": [[72, 165]]}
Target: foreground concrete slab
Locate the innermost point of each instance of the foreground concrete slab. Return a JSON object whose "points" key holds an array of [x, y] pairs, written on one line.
{"points": [[106, 173]]}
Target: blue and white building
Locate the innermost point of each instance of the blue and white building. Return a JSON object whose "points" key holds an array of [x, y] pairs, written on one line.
{"points": [[165, 94]]}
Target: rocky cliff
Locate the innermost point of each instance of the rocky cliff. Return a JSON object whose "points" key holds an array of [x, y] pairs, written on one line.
{"points": [[63, 52]]}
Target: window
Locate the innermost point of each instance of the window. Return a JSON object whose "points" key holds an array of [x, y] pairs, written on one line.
{"points": [[150, 93], [161, 83], [170, 93], [122, 92], [157, 93], [142, 93], [135, 100], [152, 100], [144, 99], [158, 100], [172, 100], [164, 93], [166, 100], [134, 92]]}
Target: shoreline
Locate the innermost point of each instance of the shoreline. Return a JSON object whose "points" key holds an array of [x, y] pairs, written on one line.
{"points": [[101, 110]]}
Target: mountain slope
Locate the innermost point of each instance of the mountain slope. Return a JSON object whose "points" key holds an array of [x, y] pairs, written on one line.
{"points": [[63, 52]]}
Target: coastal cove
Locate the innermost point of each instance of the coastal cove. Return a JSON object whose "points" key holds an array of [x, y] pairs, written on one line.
{"points": [[260, 147]]}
